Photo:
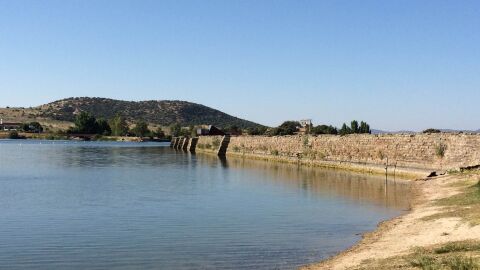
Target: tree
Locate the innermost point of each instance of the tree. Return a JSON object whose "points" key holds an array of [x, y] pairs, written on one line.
{"points": [[185, 132], [287, 128], [233, 130], [324, 129], [159, 133], [364, 127], [345, 130], [35, 127], [256, 130], [141, 129], [119, 126], [175, 130], [103, 127], [85, 123], [354, 126]]}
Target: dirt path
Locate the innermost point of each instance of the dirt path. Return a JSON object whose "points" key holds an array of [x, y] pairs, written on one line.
{"points": [[400, 235]]}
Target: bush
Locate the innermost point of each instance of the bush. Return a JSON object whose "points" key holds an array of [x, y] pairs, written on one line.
{"points": [[432, 130], [13, 135], [440, 150], [85, 123], [256, 131], [141, 129], [34, 127], [286, 128], [119, 126], [216, 142], [324, 129]]}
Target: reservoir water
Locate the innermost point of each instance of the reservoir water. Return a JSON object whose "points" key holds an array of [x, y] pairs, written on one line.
{"points": [[99, 205]]}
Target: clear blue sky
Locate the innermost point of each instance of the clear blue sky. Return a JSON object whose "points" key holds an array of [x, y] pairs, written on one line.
{"points": [[396, 64]]}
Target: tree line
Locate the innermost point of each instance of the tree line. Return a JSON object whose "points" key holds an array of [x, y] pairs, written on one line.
{"points": [[86, 123], [286, 128], [293, 127]]}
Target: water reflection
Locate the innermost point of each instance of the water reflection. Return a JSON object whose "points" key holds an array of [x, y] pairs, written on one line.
{"points": [[315, 181]]}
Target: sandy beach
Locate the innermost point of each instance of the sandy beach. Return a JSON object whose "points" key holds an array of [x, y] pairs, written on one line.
{"points": [[424, 226]]}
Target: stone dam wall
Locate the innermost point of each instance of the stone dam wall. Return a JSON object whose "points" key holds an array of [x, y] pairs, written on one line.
{"points": [[405, 153]]}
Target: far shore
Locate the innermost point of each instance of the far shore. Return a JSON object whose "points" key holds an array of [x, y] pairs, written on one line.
{"points": [[54, 136]]}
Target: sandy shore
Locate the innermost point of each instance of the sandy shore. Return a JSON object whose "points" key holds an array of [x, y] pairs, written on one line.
{"points": [[400, 235]]}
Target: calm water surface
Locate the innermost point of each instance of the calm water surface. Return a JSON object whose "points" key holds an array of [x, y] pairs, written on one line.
{"points": [[91, 205]]}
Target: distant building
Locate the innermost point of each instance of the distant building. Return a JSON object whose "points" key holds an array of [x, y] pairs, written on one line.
{"points": [[209, 131], [6, 126], [305, 126]]}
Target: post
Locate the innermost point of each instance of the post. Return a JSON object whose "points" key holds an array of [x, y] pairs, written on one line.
{"points": [[386, 172]]}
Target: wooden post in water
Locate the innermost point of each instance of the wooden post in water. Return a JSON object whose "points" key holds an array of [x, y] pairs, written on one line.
{"points": [[394, 171], [386, 172], [386, 180]]}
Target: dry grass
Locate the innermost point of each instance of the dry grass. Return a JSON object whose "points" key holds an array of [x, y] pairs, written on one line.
{"points": [[463, 255], [465, 205]]}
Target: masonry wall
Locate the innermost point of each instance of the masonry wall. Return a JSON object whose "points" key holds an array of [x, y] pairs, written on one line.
{"points": [[419, 152], [208, 144]]}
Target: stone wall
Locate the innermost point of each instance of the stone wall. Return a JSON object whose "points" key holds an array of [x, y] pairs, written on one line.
{"points": [[208, 144], [419, 153]]}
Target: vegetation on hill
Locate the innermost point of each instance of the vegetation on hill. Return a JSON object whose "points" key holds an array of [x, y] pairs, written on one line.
{"points": [[162, 112], [86, 123], [432, 130], [130, 118], [286, 128], [355, 128]]}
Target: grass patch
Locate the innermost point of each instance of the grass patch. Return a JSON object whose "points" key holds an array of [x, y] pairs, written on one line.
{"points": [[215, 142], [463, 246], [465, 205], [440, 150], [463, 255]]}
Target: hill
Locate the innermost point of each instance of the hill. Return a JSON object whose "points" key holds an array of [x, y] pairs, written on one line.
{"points": [[156, 112]]}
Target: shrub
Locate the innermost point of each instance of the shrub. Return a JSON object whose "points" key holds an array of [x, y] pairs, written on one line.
{"points": [[432, 130], [274, 152], [216, 142], [324, 129], [440, 150], [286, 128], [13, 135], [305, 141], [141, 129]]}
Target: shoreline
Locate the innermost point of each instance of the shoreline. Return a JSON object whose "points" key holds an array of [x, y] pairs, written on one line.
{"points": [[367, 237], [66, 137], [400, 235]]}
